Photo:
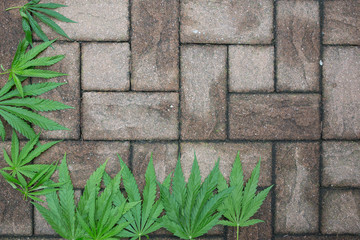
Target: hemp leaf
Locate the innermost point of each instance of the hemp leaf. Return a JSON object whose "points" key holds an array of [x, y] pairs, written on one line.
{"points": [[42, 11], [242, 203], [191, 208]]}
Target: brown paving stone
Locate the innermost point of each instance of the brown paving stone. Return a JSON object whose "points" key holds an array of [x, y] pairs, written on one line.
{"points": [[251, 68], [342, 237], [297, 187], [105, 66], [341, 93], [68, 94], [341, 212], [298, 45], [208, 153], [203, 92], [257, 231], [135, 116], [84, 157], [155, 45], [342, 22], [165, 156], [274, 116], [341, 165], [227, 21], [96, 20]]}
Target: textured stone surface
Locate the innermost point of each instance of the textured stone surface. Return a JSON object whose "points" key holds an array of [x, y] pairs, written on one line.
{"points": [[341, 165], [155, 45], [165, 156], [260, 230], [105, 66], [297, 187], [281, 116], [315, 237], [251, 69], [208, 153], [227, 21], [203, 92], [341, 88], [342, 22], [96, 21], [298, 45], [84, 157], [68, 94], [130, 116], [341, 212]]}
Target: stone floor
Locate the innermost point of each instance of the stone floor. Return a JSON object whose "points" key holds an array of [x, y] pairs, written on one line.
{"points": [[277, 79]]}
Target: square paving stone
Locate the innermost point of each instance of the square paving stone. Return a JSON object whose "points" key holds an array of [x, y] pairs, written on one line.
{"points": [[342, 22], [130, 116], [105, 66], [298, 45], [155, 45], [84, 157], [341, 97], [208, 153], [251, 69], [203, 92], [96, 20], [68, 94], [341, 165], [274, 116], [297, 187], [227, 21], [341, 212]]}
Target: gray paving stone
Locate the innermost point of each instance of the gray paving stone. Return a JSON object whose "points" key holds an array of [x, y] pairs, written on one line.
{"points": [[297, 187], [130, 116], [315, 237], [342, 22], [251, 69], [274, 116], [208, 153], [341, 212], [341, 165], [298, 45], [68, 94], [105, 66], [155, 45], [242, 21], [203, 92], [341, 87]]}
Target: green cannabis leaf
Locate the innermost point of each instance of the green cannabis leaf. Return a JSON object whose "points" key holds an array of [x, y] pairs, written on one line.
{"points": [[24, 62], [191, 209], [242, 203], [19, 169], [143, 217], [42, 11]]}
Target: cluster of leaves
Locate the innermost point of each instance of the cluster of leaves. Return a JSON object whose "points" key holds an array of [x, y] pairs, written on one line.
{"points": [[32, 180], [42, 11]]}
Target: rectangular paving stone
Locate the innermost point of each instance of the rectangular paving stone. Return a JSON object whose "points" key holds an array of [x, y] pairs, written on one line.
{"points": [[342, 22], [341, 87], [341, 237], [208, 153], [155, 45], [297, 187], [68, 94], [130, 116], [341, 165], [96, 20], [203, 92], [251, 68], [84, 157], [257, 231], [105, 66], [298, 45], [274, 116], [227, 21], [341, 212]]}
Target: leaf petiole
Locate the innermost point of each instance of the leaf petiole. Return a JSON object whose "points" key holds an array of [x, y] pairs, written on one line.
{"points": [[5, 72], [10, 8]]}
